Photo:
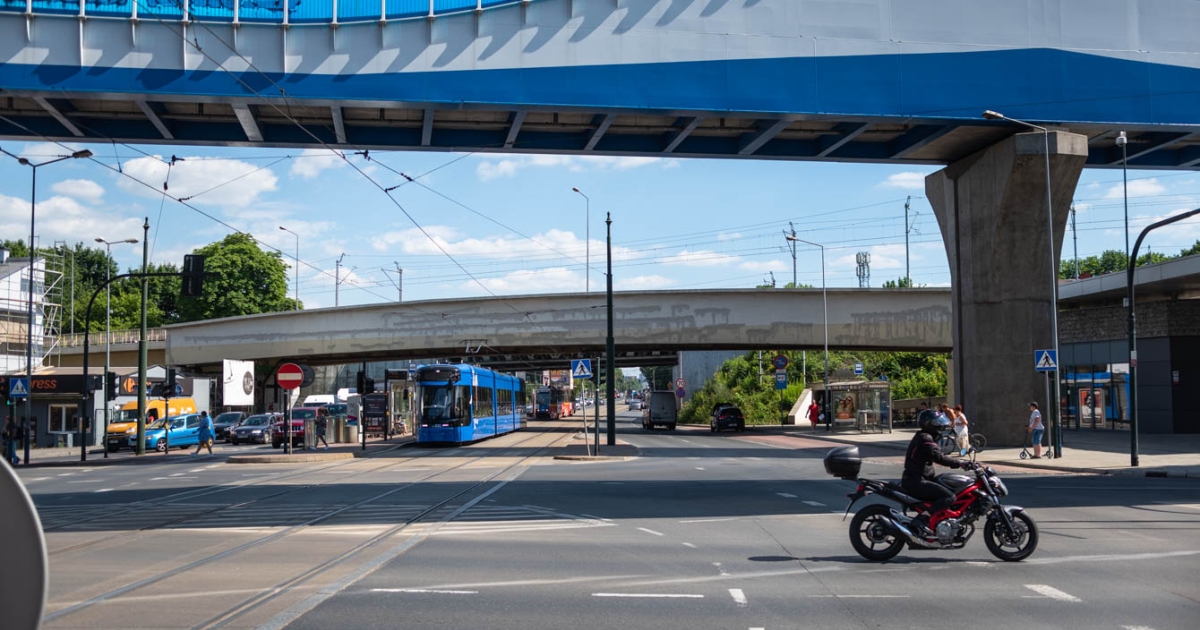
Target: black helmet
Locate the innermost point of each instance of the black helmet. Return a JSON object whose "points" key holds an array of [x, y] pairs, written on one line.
{"points": [[932, 421]]}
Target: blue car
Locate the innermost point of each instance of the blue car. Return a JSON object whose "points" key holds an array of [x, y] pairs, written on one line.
{"points": [[184, 432]]}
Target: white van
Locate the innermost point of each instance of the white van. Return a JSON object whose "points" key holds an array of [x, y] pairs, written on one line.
{"points": [[313, 400]]}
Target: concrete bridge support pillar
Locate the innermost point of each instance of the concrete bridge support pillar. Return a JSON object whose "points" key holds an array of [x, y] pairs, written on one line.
{"points": [[991, 208]]}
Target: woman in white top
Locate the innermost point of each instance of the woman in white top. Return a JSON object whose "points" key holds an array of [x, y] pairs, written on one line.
{"points": [[960, 429]]}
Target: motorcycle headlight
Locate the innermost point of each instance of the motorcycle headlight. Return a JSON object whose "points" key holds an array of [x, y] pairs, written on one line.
{"points": [[998, 486]]}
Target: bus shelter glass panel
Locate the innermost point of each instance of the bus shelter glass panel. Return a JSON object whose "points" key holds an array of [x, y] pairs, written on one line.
{"points": [[160, 9], [406, 8], [212, 10], [860, 405], [359, 10], [109, 8], [310, 11], [1096, 396], [63, 7], [270, 11]]}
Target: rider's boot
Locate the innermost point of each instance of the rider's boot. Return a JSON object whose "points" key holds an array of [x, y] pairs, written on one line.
{"points": [[920, 526]]}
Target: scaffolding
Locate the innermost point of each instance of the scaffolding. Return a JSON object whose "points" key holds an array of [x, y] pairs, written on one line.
{"points": [[14, 309]]}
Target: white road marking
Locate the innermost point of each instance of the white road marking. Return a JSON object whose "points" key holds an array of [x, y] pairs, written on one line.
{"points": [[738, 596], [1192, 506], [976, 563], [598, 518], [720, 569], [651, 531], [86, 481], [65, 474], [1049, 591], [1137, 628], [699, 468], [666, 595], [1114, 557], [423, 590], [196, 470], [814, 503], [707, 520], [104, 490], [171, 478], [786, 495], [35, 479], [179, 474], [859, 596], [690, 546]]}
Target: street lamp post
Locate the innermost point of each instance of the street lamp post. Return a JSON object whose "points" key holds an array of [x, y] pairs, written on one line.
{"points": [[825, 306], [33, 257], [296, 271], [1054, 403], [1123, 141], [108, 323], [587, 239]]}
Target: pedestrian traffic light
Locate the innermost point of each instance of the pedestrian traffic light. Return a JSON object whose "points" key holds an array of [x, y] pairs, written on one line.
{"points": [[114, 384], [193, 276], [169, 385]]}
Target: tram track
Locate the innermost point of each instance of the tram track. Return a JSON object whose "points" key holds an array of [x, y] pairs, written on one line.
{"points": [[269, 594]]}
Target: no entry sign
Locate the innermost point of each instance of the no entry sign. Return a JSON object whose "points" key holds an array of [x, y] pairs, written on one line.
{"points": [[289, 376]]}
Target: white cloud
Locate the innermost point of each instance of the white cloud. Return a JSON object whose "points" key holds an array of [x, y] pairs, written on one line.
{"points": [[553, 280], [195, 177], [1137, 188], [641, 283], [547, 246], [83, 189], [907, 181], [763, 266], [312, 162], [729, 237], [510, 165], [61, 218], [700, 258]]}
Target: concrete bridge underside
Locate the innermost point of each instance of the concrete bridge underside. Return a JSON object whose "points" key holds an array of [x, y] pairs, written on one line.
{"points": [[528, 332]]}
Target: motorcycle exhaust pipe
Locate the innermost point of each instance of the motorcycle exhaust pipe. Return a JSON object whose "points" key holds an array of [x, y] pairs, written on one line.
{"points": [[896, 527]]}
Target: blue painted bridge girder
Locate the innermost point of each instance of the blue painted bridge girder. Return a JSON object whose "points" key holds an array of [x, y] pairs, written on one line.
{"points": [[899, 81]]}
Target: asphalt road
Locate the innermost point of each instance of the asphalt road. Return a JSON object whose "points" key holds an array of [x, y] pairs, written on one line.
{"points": [[700, 531]]}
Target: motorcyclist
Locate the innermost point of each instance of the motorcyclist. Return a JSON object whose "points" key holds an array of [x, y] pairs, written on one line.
{"points": [[918, 478]]}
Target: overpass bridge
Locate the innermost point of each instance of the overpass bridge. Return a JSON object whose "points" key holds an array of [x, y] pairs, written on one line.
{"points": [[546, 331]]}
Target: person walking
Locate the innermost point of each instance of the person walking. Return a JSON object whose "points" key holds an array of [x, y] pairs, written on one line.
{"points": [[961, 434], [814, 413], [320, 424], [11, 434], [1036, 429], [205, 435]]}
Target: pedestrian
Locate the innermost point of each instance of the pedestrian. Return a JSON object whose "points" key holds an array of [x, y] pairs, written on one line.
{"points": [[205, 435], [960, 430], [11, 434], [1036, 429], [814, 413], [320, 424]]}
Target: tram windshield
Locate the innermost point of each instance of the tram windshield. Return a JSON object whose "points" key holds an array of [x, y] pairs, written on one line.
{"points": [[445, 404]]}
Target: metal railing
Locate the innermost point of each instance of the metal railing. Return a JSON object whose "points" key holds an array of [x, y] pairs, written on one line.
{"points": [[255, 11], [115, 337]]}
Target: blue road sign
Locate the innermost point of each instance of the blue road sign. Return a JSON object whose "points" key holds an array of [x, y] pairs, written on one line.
{"points": [[581, 368], [883, 377], [779, 361], [781, 379], [1045, 360], [858, 369], [18, 387]]}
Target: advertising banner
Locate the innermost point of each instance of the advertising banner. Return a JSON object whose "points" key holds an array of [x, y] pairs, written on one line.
{"points": [[238, 383]]}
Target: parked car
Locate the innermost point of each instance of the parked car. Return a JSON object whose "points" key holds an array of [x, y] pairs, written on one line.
{"points": [[299, 415], [727, 418], [255, 429], [224, 422], [175, 432]]}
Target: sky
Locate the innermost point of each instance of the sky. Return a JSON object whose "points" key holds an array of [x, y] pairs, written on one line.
{"points": [[492, 224]]}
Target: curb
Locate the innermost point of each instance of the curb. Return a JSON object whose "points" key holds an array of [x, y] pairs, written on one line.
{"points": [[307, 458], [593, 458]]}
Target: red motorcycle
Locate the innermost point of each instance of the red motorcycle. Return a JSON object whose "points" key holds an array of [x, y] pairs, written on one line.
{"points": [[878, 531]]}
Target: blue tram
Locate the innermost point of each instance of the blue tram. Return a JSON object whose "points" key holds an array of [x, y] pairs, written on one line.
{"points": [[465, 403]]}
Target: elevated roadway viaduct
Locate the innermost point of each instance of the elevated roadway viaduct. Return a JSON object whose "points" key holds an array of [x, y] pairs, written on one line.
{"points": [[544, 331]]}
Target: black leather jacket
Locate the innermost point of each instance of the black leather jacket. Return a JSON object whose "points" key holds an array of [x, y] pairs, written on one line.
{"points": [[923, 452]]}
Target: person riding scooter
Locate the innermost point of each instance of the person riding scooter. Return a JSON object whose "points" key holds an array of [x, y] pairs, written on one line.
{"points": [[918, 478]]}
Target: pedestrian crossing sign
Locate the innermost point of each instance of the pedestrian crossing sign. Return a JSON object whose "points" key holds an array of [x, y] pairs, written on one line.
{"points": [[18, 387], [1045, 360], [581, 368]]}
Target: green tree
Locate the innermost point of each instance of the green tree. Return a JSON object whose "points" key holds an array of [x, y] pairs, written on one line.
{"points": [[16, 249], [658, 377], [240, 279], [899, 283], [1191, 251], [1152, 258]]}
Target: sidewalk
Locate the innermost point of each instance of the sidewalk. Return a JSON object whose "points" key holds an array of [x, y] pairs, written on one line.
{"points": [[1084, 451]]}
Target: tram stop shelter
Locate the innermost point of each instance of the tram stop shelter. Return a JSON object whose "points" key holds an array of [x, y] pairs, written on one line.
{"points": [[862, 405]]}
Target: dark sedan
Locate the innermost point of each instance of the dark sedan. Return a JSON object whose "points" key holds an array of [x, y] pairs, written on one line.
{"points": [[254, 430], [728, 418], [225, 422]]}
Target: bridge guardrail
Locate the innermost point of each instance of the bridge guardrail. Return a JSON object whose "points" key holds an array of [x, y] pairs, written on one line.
{"points": [[115, 337], [255, 11]]}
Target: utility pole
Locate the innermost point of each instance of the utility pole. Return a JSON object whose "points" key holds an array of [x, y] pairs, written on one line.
{"points": [[337, 281], [864, 269], [907, 228], [400, 284], [792, 244], [143, 358], [1075, 241]]}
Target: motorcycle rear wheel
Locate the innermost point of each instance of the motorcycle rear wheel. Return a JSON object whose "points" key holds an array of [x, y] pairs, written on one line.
{"points": [[1014, 548], [870, 537]]}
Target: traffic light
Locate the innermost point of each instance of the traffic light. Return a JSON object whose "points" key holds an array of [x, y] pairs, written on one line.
{"points": [[169, 386], [114, 386], [4, 391], [365, 384], [193, 276]]}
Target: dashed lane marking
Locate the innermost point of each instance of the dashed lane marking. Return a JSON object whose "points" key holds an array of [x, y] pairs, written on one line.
{"points": [[104, 490], [708, 520], [651, 531], [1046, 590], [690, 546], [786, 495], [652, 595], [739, 597], [814, 503], [699, 468]]}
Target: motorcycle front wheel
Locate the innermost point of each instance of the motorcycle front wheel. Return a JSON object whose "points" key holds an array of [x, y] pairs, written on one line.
{"points": [[870, 537], [1011, 546]]}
